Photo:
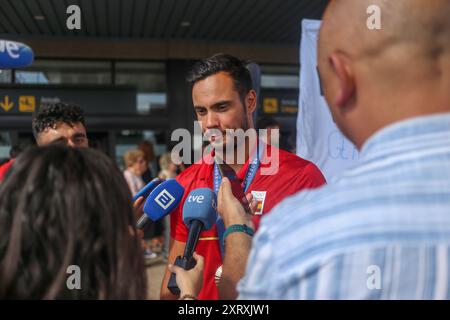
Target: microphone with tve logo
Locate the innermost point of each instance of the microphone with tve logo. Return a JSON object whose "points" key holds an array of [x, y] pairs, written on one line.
{"points": [[199, 214], [161, 201]]}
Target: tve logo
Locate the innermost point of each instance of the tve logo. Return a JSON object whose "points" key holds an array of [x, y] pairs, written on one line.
{"points": [[15, 55], [164, 199], [196, 198]]}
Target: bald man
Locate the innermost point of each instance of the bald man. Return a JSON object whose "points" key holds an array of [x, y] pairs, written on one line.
{"points": [[382, 230]]}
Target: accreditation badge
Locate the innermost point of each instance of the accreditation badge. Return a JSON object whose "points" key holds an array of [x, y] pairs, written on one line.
{"points": [[260, 197], [218, 275]]}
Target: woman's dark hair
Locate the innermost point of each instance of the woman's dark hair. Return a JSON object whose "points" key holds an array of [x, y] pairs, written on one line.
{"points": [[65, 206], [222, 62]]}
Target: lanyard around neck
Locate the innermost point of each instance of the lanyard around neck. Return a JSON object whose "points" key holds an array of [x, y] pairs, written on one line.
{"points": [[249, 177]]}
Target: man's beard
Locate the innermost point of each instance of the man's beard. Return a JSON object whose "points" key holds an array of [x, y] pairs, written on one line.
{"points": [[227, 144], [219, 139]]}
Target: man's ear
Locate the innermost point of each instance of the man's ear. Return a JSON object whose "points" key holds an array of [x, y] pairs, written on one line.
{"points": [[250, 101], [341, 66]]}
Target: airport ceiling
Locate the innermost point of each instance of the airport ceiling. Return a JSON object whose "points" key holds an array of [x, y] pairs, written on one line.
{"points": [[243, 21]]}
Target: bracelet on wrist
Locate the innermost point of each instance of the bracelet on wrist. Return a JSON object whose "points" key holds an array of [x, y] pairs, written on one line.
{"points": [[238, 228]]}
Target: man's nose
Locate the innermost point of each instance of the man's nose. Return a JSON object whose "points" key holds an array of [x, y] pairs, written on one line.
{"points": [[212, 120]]}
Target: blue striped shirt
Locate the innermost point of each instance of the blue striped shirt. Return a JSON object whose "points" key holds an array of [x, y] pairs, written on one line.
{"points": [[380, 231]]}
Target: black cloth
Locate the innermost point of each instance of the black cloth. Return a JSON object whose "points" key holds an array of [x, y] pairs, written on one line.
{"points": [[147, 176]]}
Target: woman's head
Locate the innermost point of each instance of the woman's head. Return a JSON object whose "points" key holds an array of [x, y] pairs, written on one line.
{"points": [[166, 163], [147, 148], [135, 161], [60, 207]]}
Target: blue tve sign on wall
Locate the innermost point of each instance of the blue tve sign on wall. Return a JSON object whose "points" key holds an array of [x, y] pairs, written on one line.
{"points": [[15, 55]]}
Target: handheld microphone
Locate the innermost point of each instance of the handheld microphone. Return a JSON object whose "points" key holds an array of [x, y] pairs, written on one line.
{"points": [[199, 214], [15, 55], [161, 201], [145, 191]]}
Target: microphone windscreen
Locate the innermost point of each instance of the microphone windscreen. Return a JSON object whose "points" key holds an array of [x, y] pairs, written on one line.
{"points": [[145, 191], [163, 199], [200, 204]]}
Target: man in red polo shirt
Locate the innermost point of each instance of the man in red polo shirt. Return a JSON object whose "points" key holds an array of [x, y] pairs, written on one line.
{"points": [[224, 100]]}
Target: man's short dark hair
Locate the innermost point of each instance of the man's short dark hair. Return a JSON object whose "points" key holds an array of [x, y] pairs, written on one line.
{"points": [[48, 115], [223, 63]]}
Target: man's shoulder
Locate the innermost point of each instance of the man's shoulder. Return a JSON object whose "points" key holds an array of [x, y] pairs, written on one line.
{"points": [[291, 166], [200, 170], [291, 160], [194, 169]]}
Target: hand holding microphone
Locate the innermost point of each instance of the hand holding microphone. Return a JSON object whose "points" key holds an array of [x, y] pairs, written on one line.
{"points": [[199, 214], [140, 197], [231, 209], [190, 282]]}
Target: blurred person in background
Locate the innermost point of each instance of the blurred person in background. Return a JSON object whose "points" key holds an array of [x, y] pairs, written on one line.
{"points": [[149, 155], [273, 129], [169, 170], [275, 134], [135, 166], [64, 207]]}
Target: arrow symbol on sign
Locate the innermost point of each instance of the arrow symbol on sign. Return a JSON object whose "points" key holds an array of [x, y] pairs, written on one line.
{"points": [[6, 104]]}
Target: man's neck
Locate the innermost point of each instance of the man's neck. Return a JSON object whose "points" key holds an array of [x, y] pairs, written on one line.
{"points": [[236, 162], [235, 167]]}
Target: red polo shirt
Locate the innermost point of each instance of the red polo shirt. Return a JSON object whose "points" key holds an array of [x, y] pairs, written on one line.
{"points": [[294, 174]]}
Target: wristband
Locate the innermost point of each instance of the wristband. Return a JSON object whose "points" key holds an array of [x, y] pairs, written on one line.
{"points": [[238, 228]]}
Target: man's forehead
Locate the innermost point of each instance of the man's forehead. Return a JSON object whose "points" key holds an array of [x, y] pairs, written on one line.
{"points": [[214, 88], [63, 127], [217, 81]]}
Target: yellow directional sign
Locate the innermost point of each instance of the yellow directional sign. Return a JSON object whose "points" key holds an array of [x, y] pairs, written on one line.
{"points": [[270, 105], [6, 104], [27, 103]]}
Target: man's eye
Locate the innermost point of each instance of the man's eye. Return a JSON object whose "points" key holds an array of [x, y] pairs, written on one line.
{"points": [[201, 112], [223, 107]]}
